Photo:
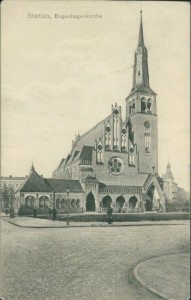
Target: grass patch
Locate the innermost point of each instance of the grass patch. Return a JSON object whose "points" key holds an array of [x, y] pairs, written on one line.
{"points": [[134, 217]]}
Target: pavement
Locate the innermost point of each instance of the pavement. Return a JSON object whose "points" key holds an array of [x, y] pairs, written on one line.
{"points": [[167, 276], [28, 222]]}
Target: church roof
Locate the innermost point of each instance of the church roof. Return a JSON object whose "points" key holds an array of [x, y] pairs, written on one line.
{"points": [[86, 153], [143, 89], [75, 155], [59, 185], [35, 183]]}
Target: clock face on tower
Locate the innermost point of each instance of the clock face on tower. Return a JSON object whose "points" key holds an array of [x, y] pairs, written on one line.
{"points": [[115, 165], [147, 124]]}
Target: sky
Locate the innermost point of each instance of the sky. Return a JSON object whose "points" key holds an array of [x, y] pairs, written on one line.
{"points": [[60, 77]]}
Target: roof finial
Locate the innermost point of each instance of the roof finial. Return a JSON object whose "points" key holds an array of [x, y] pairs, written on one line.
{"points": [[32, 167]]}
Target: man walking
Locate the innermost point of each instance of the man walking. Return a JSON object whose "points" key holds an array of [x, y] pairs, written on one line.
{"points": [[109, 213], [54, 213]]}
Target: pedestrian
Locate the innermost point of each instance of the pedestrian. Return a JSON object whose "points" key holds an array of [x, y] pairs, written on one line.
{"points": [[49, 212], [35, 213], [54, 213], [109, 213]]}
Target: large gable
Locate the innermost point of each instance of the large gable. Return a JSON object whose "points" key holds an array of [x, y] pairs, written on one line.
{"points": [[35, 183]]}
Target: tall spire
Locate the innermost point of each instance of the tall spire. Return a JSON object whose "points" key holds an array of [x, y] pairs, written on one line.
{"points": [[141, 37], [141, 72]]}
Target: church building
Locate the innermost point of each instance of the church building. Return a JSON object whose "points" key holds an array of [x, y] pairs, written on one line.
{"points": [[116, 161]]}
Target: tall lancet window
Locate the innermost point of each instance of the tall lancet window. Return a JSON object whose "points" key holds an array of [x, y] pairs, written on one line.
{"points": [[108, 137], [99, 152], [147, 141], [147, 136], [149, 105], [116, 129], [124, 139], [143, 105], [133, 107], [131, 157]]}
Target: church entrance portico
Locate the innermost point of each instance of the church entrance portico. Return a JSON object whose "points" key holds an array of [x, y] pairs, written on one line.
{"points": [[149, 198], [153, 201], [90, 202]]}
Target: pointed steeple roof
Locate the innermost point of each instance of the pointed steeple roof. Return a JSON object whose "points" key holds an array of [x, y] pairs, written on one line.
{"points": [[35, 183], [168, 174], [141, 36], [140, 70]]}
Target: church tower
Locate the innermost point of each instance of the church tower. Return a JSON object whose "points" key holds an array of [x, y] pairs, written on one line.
{"points": [[141, 112]]}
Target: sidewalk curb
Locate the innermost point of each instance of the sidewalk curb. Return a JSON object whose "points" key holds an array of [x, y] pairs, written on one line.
{"points": [[89, 225], [139, 279]]}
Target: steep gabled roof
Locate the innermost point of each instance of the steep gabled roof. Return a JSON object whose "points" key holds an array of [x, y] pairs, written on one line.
{"points": [[35, 183], [76, 152], [61, 163], [59, 185]]}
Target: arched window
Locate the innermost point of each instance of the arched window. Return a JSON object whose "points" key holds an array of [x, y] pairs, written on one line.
{"points": [[73, 203], [100, 153], [106, 201], [120, 202], [133, 108], [132, 202], [57, 203], [149, 103], [43, 201], [131, 157], [29, 201], [147, 141], [63, 203], [143, 104], [78, 203], [108, 136]]}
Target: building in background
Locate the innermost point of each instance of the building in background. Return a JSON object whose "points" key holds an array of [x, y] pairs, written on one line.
{"points": [[176, 198], [12, 181]]}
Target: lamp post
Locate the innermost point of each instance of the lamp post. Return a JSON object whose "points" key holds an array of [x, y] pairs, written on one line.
{"points": [[67, 191]]}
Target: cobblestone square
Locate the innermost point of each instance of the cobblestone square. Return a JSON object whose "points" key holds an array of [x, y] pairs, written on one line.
{"points": [[82, 263]]}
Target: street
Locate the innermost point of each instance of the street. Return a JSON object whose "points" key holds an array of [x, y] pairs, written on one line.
{"points": [[82, 263]]}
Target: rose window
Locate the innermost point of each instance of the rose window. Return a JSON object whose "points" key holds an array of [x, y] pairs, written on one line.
{"points": [[108, 129], [124, 131], [115, 165]]}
